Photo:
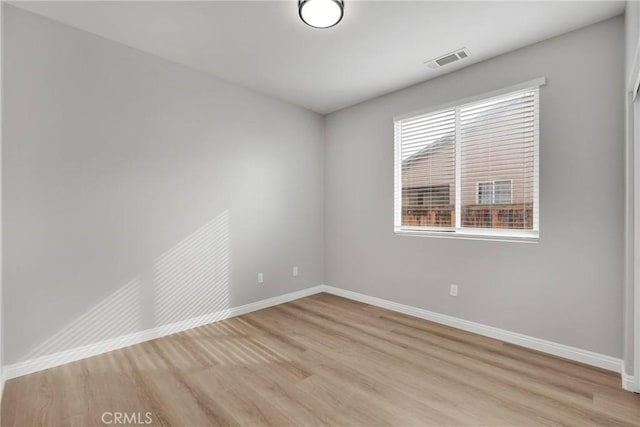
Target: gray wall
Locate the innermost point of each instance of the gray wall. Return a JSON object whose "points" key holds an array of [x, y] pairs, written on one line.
{"points": [[1, 240], [567, 288], [632, 33], [139, 193]]}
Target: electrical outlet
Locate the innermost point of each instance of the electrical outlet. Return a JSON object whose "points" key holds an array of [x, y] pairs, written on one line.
{"points": [[260, 278], [453, 290], [295, 271]]}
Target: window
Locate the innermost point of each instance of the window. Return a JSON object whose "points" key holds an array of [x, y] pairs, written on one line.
{"points": [[494, 193], [485, 193], [470, 169], [502, 192], [434, 199]]}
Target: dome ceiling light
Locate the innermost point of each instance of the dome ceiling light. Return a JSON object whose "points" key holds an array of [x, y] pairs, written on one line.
{"points": [[321, 13]]}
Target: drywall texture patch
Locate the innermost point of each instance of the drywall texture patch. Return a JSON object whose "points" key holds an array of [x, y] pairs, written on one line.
{"points": [[568, 288]]}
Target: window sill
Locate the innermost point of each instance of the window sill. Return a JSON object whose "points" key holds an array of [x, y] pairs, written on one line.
{"points": [[502, 237]]}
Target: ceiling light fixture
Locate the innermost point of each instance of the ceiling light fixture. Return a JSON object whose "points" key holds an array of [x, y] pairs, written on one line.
{"points": [[321, 13]]}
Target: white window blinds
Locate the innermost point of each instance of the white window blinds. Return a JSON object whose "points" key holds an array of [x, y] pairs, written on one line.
{"points": [[471, 168], [428, 168]]}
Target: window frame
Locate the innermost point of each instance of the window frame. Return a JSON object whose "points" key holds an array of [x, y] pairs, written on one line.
{"points": [[508, 235]]}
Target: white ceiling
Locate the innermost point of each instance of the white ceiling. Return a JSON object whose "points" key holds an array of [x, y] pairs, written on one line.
{"points": [[379, 47]]}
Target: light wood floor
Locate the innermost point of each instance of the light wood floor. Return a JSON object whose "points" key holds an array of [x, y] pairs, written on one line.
{"points": [[323, 360]]}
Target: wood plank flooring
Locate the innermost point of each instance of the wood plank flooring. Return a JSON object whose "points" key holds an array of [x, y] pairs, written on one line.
{"points": [[322, 360]]}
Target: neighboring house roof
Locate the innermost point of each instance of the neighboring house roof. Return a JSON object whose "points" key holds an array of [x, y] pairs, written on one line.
{"points": [[440, 142], [434, 146]]}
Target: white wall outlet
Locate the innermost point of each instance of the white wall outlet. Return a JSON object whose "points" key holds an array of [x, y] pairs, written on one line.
{"points": [[453, 290], [295, 271], [260, 278]]}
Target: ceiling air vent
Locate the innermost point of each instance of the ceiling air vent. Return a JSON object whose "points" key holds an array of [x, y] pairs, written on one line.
{"points": [[448, 58]]}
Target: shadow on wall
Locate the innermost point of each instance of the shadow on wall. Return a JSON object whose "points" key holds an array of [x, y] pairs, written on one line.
{"points": [[116, 315], [189, 282], [193, 278]]}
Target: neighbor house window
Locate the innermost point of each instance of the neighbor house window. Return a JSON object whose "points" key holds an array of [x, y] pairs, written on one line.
{"points": [[494, 192], [470, 169], [485, 193]]}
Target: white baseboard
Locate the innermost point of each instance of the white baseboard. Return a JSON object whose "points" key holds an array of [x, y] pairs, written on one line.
{"points": [[56, 359], [568, 352], [629, 383], [49, 361]]}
